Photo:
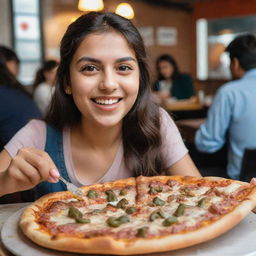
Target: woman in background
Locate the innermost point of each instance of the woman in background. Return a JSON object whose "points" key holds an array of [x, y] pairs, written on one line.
{"points": [[44, 84], [171, 82]]}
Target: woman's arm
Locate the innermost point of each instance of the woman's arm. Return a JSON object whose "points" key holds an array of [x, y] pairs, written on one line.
{"points": [[184, 167]]}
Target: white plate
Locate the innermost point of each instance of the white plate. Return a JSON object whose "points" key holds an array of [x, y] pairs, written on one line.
{"points": [[240, 241]]}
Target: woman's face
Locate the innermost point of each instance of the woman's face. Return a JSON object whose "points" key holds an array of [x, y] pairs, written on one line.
{"points": [[166, 69], [104, 76]]}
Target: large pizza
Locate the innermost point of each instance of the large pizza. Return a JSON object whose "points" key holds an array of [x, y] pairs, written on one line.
{"points": [[139, 215]]}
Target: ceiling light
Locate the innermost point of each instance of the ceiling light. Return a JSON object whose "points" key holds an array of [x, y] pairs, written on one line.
{"points": [[125, 10], [90, 5]]}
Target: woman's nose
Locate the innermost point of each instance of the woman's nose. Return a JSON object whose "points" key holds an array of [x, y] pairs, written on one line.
{"points": [[109, 81]]}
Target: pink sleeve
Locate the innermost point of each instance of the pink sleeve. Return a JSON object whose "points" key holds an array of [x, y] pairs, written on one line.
{"points": [[32, 135], [173, 148]]}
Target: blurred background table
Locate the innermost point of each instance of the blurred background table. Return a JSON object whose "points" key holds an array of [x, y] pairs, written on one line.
{"points": [[185, 109], [189, 127]]}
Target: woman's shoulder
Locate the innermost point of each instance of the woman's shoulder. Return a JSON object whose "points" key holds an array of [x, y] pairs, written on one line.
{"points": [[35, 129], [165, 118], [33, 134]]}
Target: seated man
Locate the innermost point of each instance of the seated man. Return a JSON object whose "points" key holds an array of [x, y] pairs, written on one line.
{"points": [[232, 117]]}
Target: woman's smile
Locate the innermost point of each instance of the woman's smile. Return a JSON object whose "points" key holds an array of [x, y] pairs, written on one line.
{"points": [[106, 103]]}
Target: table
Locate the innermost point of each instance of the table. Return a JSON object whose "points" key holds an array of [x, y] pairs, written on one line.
{"points": [[182, 105], [6, 210], [189, 127]]}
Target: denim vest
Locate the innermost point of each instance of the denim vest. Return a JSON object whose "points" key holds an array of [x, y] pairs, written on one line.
{"points": [[54, 147]]}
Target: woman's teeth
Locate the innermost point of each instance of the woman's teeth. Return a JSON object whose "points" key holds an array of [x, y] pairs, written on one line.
{"points": [[106, 102]]}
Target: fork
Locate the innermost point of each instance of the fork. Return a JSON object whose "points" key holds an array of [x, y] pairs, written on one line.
{"points": [[72, 188]]}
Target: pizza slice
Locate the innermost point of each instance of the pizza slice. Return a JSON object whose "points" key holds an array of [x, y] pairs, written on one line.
{"points": [[142, 215], [186, 210]]}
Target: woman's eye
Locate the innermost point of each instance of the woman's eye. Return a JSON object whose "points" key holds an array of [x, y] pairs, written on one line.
{"points": [[124, 68], [89, 68]]}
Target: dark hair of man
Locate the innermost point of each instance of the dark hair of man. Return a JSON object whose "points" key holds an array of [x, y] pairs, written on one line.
{"points": [[40, 77], [243, 48], [6, 77], [141, 126], [168, 58]]}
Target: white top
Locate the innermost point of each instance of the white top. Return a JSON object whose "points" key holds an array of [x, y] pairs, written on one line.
{"points": [[43, 95], [34, 135]]}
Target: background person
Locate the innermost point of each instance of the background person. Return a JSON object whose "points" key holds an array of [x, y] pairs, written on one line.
{"points": [[16, 106], [231, 118], [43, 86], [11, 60], [101, 125], [170, 81]]}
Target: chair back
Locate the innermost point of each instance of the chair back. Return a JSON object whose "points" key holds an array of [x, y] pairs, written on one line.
{"points": [[248, 167]]}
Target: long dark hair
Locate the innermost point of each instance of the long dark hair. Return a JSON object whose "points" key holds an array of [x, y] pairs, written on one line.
{"points": [[6, 77], [141, 126], [168, 58], [40, 77]]}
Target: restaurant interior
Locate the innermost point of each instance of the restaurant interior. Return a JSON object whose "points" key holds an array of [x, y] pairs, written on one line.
{"points": [[194, 32]]}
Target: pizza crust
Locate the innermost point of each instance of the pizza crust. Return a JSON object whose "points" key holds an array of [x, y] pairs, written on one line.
{"points": [[109, 245]]}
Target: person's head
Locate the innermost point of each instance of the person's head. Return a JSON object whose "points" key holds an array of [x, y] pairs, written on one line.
{"points": [[103, 78], [11, 60], [90, 45], [167, 67], [242, 52], [47, 73]]}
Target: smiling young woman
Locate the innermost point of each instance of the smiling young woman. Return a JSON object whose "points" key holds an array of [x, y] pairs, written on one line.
{"points": [[102, 124]]}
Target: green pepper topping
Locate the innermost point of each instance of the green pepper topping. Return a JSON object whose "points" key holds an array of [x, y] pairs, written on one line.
{"points": [[113, 222], [131, 210], [156, 215], [122, 203], [169, 221], [202, 202], [179, 211], [92, 194], [142, 232], [158, 201], [116, 222], [152, 191], [77, 215], [82, 220], [74, 213], [123, 192], [155, 190], [111, 197], [123, 219]]}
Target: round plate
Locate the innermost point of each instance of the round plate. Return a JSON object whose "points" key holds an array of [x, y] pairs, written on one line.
{"points": [[239, 241]]}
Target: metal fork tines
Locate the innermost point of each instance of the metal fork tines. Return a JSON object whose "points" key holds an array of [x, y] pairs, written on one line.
{"points": [[71, 187]]}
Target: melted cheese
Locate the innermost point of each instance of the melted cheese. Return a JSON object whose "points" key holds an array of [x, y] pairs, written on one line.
{"points": [[229, 189], [62, 218]]}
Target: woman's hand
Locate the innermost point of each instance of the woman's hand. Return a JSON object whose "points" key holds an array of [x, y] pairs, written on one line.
{"points": [[28, 168]]}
